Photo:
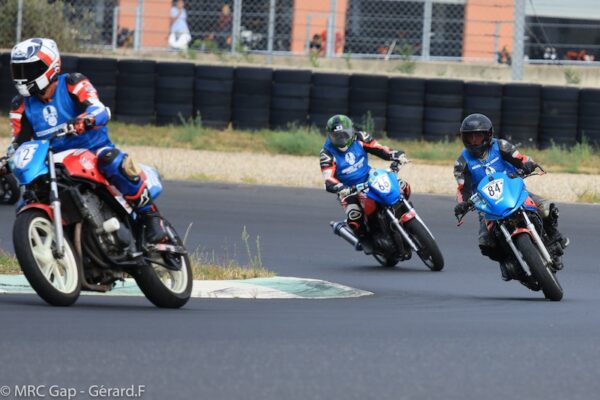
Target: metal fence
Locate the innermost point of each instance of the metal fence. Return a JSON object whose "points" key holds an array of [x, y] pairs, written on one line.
{"points": [[420, 29]]}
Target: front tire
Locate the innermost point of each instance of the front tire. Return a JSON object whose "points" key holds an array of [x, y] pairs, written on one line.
{"points": [[58, 282], [429, 252], [542, 274], [167, 288]]}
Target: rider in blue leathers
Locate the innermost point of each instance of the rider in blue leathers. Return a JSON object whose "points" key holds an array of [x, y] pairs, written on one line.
{"points": [[484, 154], [344, 163], [49, 101]]}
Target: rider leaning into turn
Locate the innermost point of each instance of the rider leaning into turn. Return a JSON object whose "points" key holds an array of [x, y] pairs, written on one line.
{"points": [[484, 154], [344, 163], [49, 101]]}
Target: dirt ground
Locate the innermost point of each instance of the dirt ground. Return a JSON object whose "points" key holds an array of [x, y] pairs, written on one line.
{"points": [[254, 168]]}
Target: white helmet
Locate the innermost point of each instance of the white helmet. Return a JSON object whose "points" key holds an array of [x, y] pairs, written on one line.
{"points": [[35, 63]]}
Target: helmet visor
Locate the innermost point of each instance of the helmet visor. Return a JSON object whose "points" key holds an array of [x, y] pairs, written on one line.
{"points": [[29, 71], [475, 138], [341, 137]]}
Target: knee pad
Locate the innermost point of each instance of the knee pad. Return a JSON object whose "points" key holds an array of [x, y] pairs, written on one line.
{"points": [[354, 213]]}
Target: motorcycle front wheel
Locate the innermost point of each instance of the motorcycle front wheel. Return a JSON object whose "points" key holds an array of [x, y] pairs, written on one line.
{"points": [[9, 189], [57, 281], [542, 274], [429, 251]]}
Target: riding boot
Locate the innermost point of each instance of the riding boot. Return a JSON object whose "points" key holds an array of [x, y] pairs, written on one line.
{"points": [[556, 241], [153, 225], [364, 240]]}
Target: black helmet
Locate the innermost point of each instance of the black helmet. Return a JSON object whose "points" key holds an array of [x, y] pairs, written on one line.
{"points": [[476, 132], [340, 131]]}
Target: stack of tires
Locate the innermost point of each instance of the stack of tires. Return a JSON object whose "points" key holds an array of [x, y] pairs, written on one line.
{"points": [[174, 92], [368, 101], [136, 91], [589, 117], [102, 73], [251, 97], [290, 98], [69, 64], [7, 87], [521, 113], [484, 98], [443, 109], [560, 107], [213, 91], [328, 96], [405, 105]]}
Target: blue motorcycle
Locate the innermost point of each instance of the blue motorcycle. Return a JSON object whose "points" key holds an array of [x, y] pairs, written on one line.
{"points": [[394, 227], [504, 200]]}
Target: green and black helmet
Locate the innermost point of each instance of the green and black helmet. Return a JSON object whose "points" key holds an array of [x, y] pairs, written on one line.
{"points": [[340, 131]]}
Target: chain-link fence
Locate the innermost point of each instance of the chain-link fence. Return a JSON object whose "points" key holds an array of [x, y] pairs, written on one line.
{"points": [[418, 29]]}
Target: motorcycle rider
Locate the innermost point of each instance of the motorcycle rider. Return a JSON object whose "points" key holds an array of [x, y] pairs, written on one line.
{"points": [[49, 101], [344, 163], [485, 154]]}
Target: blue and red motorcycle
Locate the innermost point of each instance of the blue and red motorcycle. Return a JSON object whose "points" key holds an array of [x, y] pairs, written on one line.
{"points": [[504, 201], [395, 229], [74, 231]]}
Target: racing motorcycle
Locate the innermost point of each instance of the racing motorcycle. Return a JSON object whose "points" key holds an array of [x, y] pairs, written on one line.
{"points": [[503, 199], [74, 231], [9, 187], [395, 228]]}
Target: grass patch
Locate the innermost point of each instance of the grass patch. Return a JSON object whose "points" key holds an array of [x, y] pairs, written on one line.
{"points": [[296, 141], [588, 196], [8, 264]]}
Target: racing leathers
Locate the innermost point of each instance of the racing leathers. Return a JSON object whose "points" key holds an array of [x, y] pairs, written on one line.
{"points": [[502, 156], [75, 102], [344, 168]]}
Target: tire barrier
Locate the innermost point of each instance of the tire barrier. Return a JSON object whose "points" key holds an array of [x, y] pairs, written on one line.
{"points": [[367, 104], [251, 98], [136, 91], [7, 88], [70, 64], [174, 93], [443, 109], [484, 98], [213, 92], [558, 122], [290, 95], [521, 107], [405, 108], [102, 73], [328, 96], [589, 117]]}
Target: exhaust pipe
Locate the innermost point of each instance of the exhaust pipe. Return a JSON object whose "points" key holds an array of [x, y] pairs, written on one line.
{"points": [[340, 229]]}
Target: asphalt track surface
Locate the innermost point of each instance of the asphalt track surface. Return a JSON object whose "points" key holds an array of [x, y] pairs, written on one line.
{"points": [[457, 334]]}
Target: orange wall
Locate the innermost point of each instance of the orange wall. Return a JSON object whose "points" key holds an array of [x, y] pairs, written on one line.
{"points": [[319, 11], [156, 20], [480, 28]]}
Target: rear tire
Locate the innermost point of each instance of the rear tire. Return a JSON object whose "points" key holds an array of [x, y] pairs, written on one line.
{"points": [[58, 282], [167, 288], [9, 189], [429, 251], [542, 274]]}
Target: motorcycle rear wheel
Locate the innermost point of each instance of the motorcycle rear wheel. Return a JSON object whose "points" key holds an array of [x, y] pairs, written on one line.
{"points": [[58, 282], [429, 251], [542, 274], [9, 189], [164, 287]]}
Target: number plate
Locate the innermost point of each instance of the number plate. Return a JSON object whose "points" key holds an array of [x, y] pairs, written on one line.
{"points": [[494, 189], [381, 183], [24, 155]]}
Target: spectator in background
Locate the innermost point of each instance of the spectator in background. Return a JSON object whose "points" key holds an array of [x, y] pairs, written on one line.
{"points": [[316, 45], [179, 36], [224, 27], [504, 56]]}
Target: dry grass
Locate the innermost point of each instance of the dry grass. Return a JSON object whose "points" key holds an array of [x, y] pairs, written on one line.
{"points": [[8, 264]]}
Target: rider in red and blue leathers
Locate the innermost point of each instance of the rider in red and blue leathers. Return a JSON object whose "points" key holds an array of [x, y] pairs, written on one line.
{"points": [[484, 154], [344, 164], [49, 101]]}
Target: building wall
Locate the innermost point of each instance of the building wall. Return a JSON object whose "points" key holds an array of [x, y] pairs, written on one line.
{"points": [[481, 22], [156, 21], [318, 10]]}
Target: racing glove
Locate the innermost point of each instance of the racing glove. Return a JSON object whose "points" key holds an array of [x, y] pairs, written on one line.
{"points": [[344, 192], [398, 155], [82, 123], [529, 167], [461, 208]]}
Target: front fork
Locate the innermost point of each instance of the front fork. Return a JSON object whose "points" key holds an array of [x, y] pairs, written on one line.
{"points": [[399, 228], [59, 251]]}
